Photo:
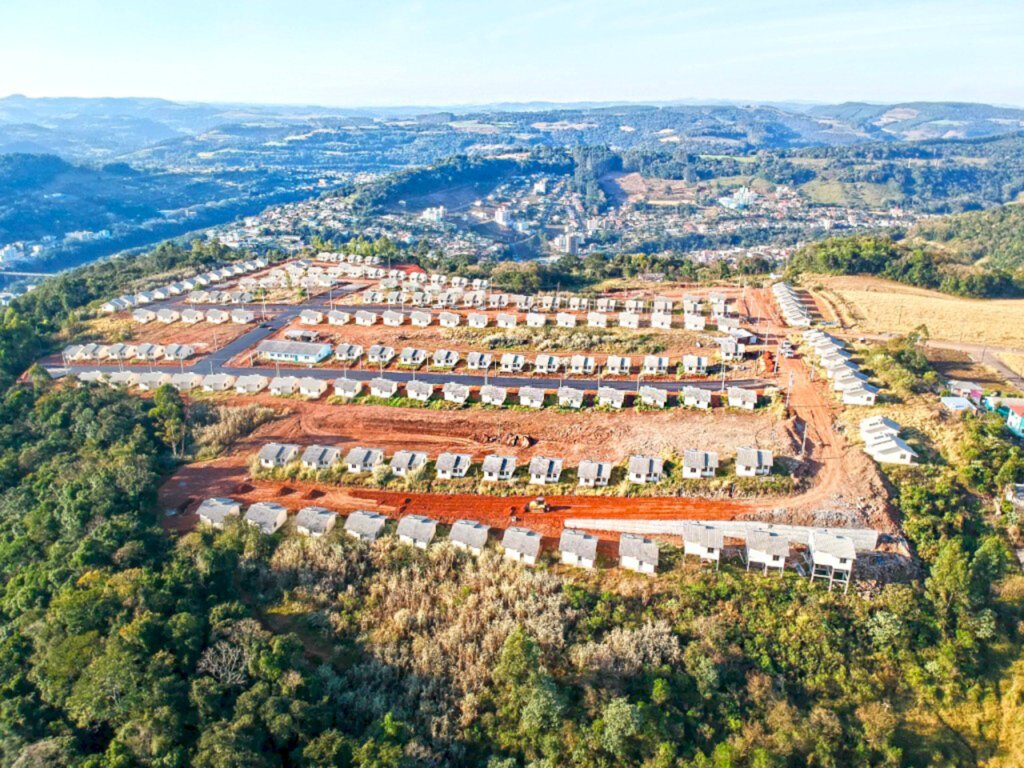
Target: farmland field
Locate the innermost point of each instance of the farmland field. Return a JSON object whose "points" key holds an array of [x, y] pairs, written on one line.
{"points": [[874, 306]]}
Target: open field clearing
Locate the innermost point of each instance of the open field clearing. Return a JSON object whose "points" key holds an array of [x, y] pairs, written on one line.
{"points": [[205, 337], [632, 187], [1013, 361], [873, 306], [952, 364], [523, 434]]}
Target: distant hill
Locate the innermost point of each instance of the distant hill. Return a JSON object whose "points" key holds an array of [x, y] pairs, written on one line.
{"points": [[917, 121], [103, 128], [991, 238]]}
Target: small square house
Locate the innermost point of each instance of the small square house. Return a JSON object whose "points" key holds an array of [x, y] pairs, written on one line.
{"points": [[704, 541], [469, 535], [360, 460], [594, 474], [266, 516], [417, 531], [216, 511], [577, 548], [545, 470], [499, 468], [644, 470], [452, 465], [766, 549], [637, 553], [753, 462], [364, 525], [404, 462], [521, 545]]}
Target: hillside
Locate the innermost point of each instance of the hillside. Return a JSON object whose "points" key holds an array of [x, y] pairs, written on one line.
{"points": [[991, 238], [977, 254], [44, 198]]}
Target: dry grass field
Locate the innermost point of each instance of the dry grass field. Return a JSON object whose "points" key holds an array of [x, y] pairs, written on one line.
{"points": [[874, 306]]}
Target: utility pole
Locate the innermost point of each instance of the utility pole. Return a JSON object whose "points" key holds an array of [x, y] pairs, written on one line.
{"points": [[789, 390]]}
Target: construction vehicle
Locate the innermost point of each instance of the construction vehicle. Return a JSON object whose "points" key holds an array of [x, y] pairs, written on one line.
{"points": [[538, 505]]}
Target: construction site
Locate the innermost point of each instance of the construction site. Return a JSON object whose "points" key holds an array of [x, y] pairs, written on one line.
{"points": [[655, 348]]}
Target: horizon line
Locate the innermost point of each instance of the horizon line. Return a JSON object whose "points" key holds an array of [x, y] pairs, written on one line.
{"points": [[547, 103]]}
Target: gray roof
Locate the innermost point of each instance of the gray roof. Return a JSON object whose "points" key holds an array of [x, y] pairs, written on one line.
{"points": [[419, 388], [456, 390], [319, 454], [659, 396], [448, 462], [571, 394], [412, 354], [217, 509], [522, 540], [594, 470], [389, 385], [700, 459], [697, 393], [833, 544], [534, 393], [579, 543], [745, 395], [753, 457], [418, 528], [469, 532], [278, 452], [362, 457], [635, 545], [544, 465], [406, 460], [298, 348], [264, 515], [643, 465], [349, 387], [768, 542], [492, 392], [611, 393], [497, 464], [367, 524], [704, 535], [314, 519]]}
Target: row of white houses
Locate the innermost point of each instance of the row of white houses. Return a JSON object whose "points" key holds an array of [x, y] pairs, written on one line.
{"points": [[423, 318], [170, 315], [512, 362], [829, 556], [420, 289], [836, 361], [423, 391], [78, 353], [541, 470], [882, 441], [793, 309], [214, 277]]}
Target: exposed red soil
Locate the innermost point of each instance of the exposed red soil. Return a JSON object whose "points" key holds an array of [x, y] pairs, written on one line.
{"points": [[844, 482], [549, 432]]}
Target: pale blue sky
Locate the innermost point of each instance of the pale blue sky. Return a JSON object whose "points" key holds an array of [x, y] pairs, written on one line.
{"points": [[392, 52]]}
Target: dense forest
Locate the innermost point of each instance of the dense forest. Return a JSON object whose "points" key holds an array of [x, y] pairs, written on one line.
{"points": [[122, 645], [978, 254]]}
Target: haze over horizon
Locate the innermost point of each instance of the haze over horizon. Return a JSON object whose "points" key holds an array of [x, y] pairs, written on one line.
{"points": [[459, 53]]}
